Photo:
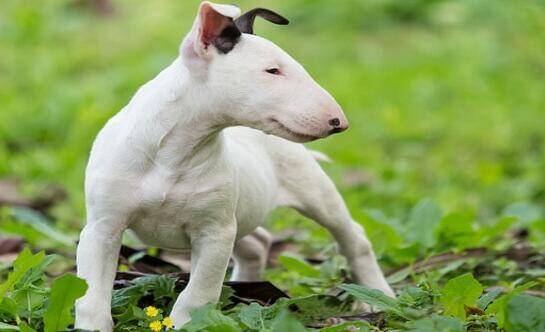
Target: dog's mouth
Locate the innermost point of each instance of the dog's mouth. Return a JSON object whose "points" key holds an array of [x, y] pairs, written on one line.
{"points": [[301, 137]]}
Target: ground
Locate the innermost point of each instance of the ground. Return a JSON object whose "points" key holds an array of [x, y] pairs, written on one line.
{"points": [[444, 163]]}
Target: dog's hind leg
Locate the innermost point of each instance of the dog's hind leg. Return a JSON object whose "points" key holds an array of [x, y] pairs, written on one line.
{"points": [[250, 255], [309, 190]]}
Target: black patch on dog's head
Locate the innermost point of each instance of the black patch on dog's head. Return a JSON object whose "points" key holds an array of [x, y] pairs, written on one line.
{"points": [[230, 35], [245, 23], [228, 38]]}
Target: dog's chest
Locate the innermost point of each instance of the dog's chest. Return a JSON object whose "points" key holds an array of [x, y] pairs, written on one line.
{"points": [[171, 204]]}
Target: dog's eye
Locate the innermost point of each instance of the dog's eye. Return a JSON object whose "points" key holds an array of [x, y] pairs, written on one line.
{"points": [[273, 71]]}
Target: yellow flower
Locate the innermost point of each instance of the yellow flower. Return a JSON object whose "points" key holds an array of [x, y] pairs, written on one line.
{"points": [[156, 325], [151, 311], [167, 322]]}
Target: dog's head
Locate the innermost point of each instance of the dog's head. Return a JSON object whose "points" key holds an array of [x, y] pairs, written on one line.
{"points": [[256, 83]]}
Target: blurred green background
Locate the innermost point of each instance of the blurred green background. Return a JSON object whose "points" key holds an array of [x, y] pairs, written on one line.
{"points": [[446, 101]]}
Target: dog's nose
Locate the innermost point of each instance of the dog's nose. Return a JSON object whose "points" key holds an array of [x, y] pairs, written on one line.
{"points": [[338, 125], [335, 122]]}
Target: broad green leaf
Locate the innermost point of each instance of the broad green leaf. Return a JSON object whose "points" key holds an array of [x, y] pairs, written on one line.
{"points": [[8, 306], [535, 273], [451, 267], [537, 232], [164, 287], [399, 276], [24, 262], [525, 314], [436, 323], [131, 313], [412, 295], [31, 236], [308, 309], [287, 322], [331, 269], [270, 313], [64, 292], [30, 299], [499, 306], [40, 223], [384, 236], [406, 253], [208, 318], [35, 274], [487, 235], [525, 212], [423, 222], [225, 297], [123, 296], [294, 263], [318, 307], [375, 298], [251, 316], [459, 292], [159, 285], [457, 229], [486, 299], [24, 327], [222, 328]]}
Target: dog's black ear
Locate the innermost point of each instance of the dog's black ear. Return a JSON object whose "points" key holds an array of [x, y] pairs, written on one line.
{"points": [[245, 23]]}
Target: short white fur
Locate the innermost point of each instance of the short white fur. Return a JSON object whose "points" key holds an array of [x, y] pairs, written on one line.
{"points": [[198, 159]]}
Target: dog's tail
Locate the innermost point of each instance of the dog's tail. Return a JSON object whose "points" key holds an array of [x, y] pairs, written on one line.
{"points": [[319, 156]]}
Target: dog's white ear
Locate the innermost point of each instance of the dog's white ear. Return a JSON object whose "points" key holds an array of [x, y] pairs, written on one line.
{"points": [[213, 28]]}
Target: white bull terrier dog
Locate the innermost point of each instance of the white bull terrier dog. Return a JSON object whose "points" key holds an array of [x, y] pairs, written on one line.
{"points": [[202, 154]]}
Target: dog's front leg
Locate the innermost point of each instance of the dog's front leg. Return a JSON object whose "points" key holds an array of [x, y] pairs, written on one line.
{"points": [[211, 248], [97, 255]]}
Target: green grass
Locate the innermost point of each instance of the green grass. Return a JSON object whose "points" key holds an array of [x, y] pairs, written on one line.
{"points": [[445, 99]]}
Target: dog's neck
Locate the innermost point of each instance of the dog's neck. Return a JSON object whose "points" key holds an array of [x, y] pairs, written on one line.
{"points": [[183, 127]]}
